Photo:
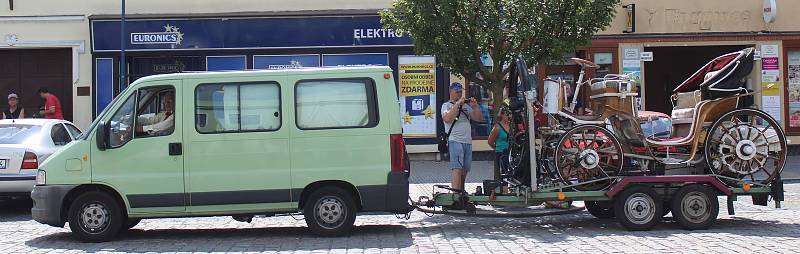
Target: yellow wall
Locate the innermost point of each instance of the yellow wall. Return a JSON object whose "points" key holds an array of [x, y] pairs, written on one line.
{"points": [[691, 16]]}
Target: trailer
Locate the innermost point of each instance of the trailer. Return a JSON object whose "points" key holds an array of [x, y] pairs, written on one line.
{"points": [[744, 152]]}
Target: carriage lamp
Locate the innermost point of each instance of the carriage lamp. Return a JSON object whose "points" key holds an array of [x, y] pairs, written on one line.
{"points": [[630, 26]]}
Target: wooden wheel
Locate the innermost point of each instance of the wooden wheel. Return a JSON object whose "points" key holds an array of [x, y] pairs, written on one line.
{"points": [[588, 153]]}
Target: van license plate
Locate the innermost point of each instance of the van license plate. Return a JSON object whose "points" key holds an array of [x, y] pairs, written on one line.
{"points": [[3, 163]]}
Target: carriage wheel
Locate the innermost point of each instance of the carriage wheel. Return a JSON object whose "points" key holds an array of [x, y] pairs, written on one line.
{"points": [[586, 153], [746, 144]]}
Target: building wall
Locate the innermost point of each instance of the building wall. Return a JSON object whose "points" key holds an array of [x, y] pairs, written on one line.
{"points": [[65, 24], [704, 16]]}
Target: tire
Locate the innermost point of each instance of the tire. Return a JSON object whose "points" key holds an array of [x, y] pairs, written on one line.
{"points": [[600, 209], [695, 207], [638, 208], [106, 221], [330, 211], [130, 223]]}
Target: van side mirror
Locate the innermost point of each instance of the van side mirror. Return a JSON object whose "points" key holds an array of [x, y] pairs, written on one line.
{"points": [[102, 136]]}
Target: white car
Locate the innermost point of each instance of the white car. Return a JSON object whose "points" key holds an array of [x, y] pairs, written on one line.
{"points": [[24, 143]]}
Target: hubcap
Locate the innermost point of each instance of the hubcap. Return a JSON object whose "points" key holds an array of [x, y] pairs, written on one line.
{"points": [[330, 211], [590, 159], [95, 217], [746, 150], [640, 208], [695, 207]]}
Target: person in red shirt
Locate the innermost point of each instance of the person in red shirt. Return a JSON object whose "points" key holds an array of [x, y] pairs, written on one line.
{"points": [[52, 106]]}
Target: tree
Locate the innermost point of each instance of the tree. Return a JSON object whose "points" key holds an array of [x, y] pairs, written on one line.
{"points": [[458, 32]]}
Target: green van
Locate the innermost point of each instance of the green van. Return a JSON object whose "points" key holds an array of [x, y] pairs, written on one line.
{"points": [[323, 141]]}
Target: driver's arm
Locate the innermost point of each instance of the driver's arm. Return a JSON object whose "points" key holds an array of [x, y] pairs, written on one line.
{"points": [[160, 126]]}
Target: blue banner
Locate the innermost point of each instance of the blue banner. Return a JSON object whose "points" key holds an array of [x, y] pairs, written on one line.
{"points": [[226, 63], [285, 61], [338, 60], [264, 32]]}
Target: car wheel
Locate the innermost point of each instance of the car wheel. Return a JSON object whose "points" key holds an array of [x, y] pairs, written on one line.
{"points": [[638, 208], [95, 217], [330, 211], [695, 207]]}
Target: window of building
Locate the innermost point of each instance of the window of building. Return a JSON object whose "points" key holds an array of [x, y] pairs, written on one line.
{"points": [[236, 107], [329, 104]]}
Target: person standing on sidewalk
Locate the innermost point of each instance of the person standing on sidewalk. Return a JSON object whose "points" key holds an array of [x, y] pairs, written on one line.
{"points": [[456, 117], [52, 106]]}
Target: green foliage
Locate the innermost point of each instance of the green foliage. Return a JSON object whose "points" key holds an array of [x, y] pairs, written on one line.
{"points": [[458, 31]]}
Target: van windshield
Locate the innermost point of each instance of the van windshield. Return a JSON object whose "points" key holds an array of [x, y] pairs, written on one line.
{"points": [[18, 133]]}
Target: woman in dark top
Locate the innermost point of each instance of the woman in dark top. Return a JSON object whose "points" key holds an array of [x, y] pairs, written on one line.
{"points": [[14, 111]]}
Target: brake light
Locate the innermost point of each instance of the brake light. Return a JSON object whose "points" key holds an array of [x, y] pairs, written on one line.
{"points": [[30, 161], [398, 150]]}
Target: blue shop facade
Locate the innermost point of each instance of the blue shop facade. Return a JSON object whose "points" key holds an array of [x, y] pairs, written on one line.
{"points": [[185, 44]]}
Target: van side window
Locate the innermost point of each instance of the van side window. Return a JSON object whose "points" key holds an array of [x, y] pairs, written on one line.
{"points": [[121, 124], [335, 103], [237, 107]]}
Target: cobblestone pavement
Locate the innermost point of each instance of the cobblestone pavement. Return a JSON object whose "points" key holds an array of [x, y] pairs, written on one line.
{"points": [[752, 229]]}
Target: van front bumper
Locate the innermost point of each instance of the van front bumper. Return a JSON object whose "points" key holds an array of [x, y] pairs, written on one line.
{"points": [[47, 200], [392, 197]]}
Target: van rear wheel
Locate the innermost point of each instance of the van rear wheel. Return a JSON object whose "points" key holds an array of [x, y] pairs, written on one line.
{"points": [[95, 217], [330, 211]]}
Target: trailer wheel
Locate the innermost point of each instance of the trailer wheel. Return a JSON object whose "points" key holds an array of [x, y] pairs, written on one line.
{"points": [[638, 208], [600, 209], [695, 206]]}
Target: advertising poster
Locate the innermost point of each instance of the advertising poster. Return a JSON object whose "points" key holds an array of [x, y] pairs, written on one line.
{"points": [[770, 86], [417, 75], [794, 88]]}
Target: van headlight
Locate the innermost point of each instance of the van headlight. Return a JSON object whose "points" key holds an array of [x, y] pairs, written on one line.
{"points": [[41, 177]]}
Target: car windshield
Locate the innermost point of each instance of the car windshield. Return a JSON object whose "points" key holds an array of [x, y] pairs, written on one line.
{"points": [[18, 133]]}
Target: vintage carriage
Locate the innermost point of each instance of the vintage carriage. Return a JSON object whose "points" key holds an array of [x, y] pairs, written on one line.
{"points": [[714, 130]]}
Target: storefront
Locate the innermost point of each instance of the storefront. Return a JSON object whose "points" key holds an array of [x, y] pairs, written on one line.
{"points": [[176, 44]]}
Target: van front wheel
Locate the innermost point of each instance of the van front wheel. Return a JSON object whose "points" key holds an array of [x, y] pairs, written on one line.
{"points": [[95, 217], [330, 211]]}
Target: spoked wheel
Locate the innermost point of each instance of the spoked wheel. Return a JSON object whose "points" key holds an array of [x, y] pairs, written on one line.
{"points": [[588, 154], [746, 144]]}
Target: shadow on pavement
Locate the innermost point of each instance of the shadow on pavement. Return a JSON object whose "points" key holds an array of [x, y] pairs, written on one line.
{"points": [[15, 210], [553, 229], [233, 240]]}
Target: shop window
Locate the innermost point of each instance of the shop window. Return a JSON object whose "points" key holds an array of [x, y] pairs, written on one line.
{"points": [[793, 74], [605, 60], [221, 108], [331, 104]]}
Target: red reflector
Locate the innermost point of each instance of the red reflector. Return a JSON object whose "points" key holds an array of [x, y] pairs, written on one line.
{"points": [[387, 75], [30, 161], [398, 150]]}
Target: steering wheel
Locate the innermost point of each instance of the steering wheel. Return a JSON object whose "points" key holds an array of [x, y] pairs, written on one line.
{"points": [[585, 63]]}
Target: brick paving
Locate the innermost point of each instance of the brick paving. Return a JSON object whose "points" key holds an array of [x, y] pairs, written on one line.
{"points": [[752, 229]]}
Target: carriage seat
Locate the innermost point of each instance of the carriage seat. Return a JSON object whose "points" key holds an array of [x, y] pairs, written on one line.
{"points": [[685, 103]]}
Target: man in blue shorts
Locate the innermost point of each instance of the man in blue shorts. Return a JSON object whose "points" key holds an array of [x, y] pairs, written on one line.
{"points": [[457, 116]]}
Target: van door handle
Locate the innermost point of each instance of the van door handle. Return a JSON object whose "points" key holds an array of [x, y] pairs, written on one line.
{"points": [[175, 149]]}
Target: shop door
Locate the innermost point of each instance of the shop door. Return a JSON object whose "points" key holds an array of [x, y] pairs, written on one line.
{"points": [[793, 88], [25, 71]]}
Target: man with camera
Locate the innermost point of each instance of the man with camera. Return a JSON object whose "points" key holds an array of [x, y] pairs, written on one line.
{"points": [[456, 117]]}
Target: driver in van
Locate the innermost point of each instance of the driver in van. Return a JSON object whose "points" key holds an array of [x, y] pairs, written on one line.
{"points": [[160, 123]]}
